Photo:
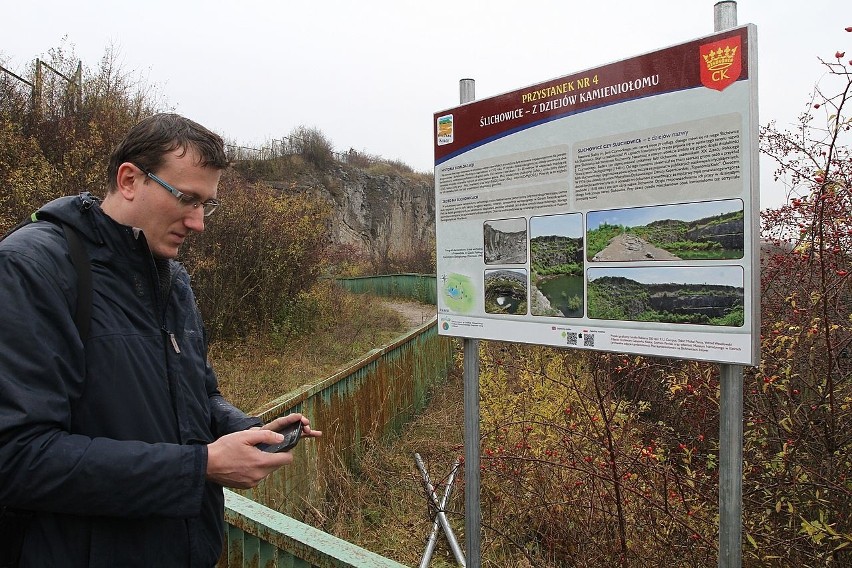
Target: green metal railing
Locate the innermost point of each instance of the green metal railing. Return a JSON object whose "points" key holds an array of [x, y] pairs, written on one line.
{"points": [[420, 287], [368, 400], [261, 537]]}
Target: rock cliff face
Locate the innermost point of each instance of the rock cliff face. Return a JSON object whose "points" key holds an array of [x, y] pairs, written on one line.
{"points": [[378, 214], [728, 234], [726, 230], [504, 248], [711, 305]]}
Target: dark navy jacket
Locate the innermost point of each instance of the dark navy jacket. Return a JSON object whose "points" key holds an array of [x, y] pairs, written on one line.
{"points": [[106, 442]]}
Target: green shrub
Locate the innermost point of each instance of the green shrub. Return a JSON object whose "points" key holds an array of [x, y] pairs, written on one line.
{"points": [[312, 145], [257, 254]]}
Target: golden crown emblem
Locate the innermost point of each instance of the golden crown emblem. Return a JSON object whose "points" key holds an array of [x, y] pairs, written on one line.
{"points": [[720, 58]]}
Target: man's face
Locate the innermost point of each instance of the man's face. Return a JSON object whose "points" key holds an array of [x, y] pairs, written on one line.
{"points": [[165, 220]]}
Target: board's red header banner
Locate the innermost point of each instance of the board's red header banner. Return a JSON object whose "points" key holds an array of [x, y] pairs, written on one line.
{"points": [[714, 62]]}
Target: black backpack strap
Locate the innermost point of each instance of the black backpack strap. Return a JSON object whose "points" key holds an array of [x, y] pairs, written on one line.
{"points": [[83, 267], [80, 259]]}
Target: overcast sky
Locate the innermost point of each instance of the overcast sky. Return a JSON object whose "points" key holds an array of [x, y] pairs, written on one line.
{"points": [[369, 75]]}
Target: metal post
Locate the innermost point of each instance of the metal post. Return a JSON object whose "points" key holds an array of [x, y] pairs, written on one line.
{"points": [[730, 466], [472, 512], [724, 15], [730, 410], [467, 88]]}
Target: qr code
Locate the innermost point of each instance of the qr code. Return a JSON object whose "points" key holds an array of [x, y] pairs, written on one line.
{"points": [[572, 337], [588, 340]]}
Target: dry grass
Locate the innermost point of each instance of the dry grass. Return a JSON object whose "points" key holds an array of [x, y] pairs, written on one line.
{"points": [[253, 371], [383, 506]]}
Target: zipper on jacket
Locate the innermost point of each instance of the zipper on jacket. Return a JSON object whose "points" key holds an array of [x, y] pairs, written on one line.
{"points": [[172, 339], [161, 303]]}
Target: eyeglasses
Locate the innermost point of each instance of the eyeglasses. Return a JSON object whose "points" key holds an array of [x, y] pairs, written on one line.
{"points": [[209, 206]]}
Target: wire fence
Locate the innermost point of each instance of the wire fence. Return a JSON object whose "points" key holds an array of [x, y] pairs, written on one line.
{"points": [[15, 92], [276, 149], [51, 88]]}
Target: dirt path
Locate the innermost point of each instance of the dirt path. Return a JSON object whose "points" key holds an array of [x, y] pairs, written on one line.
{"points": [[415, 313], [630, 247]]}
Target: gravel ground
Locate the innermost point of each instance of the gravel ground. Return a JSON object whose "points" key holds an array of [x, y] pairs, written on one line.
{"points": [[415, 313]]}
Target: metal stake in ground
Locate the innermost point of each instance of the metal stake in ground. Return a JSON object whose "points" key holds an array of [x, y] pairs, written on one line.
{"points": [[440, 515], [433, 536]]}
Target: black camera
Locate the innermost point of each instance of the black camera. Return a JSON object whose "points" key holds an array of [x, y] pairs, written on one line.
{"points": [[291, 432]]}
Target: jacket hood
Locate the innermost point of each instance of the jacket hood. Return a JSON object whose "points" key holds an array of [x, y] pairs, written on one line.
{"points": [[74, 210]]}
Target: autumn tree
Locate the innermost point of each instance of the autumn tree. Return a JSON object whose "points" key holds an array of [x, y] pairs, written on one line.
{"points": [[55, 141], [799, 421]]}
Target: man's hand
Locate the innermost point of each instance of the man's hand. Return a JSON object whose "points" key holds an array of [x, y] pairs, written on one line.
{"points": [[234, 461], [283, 421]]}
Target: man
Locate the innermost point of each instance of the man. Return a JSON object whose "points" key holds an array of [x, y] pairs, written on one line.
{"points": [[117, 450]]}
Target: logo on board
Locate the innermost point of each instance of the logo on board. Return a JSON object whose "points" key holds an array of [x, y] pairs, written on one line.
{"points": [[721, 62], [445, 129]]}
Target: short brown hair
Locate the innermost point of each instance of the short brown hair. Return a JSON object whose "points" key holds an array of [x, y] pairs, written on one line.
{"points": [[148, 142]]}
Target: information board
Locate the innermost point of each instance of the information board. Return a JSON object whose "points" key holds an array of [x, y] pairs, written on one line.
{"points": [[613, 209]]}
